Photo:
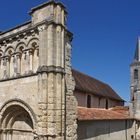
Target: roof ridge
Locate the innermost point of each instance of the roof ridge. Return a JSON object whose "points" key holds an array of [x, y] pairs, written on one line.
{"points": [[92, 85], [91, 77]]}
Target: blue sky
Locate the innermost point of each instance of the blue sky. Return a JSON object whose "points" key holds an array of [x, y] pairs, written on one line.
{"points": [[105, 35]]}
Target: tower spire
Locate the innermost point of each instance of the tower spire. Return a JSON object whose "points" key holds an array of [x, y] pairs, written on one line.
{"points": [[135, 83], [137, 51]]}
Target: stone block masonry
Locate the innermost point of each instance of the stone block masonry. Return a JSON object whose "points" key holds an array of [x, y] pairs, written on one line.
{"points": [[36, 82]]}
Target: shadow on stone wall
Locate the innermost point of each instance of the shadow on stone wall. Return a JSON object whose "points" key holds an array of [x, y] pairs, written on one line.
{"points": [[105, 130]]}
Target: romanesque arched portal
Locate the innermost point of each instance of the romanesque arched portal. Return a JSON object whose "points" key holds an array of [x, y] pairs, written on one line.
{"points": [[16, 123]]}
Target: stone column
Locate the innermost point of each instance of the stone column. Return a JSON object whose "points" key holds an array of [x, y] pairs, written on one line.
{"points": [[12, 66], [42, 104], [7, 66], [26, 62], [18, 56], [30, 61], [51, 89], [58, 46], [4, 136], [36, 60], [62, 47], [2, 68], [9, 136], [59, 14], [23, 60], [43, 45], [55, 95], [15, 65], [50, 45]]}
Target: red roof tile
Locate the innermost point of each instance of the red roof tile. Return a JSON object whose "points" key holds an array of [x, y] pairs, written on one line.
{"points": [[102, 114]]}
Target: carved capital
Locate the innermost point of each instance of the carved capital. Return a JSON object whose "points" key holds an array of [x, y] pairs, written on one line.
{"points": [[18, 55], [32, 32], [30, 52], [7, 58]]}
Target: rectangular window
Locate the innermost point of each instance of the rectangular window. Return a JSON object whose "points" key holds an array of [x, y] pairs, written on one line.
{"points": [[89, 101]]}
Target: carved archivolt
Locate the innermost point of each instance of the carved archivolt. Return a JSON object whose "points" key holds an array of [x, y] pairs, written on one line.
{"points": [[17, 120], [19, 60]]}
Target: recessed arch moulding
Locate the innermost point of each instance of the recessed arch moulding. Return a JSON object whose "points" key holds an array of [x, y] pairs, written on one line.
{"points": [[17, 121]]}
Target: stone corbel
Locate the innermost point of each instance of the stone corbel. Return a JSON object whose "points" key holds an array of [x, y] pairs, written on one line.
{"points": [[32, 32], [18, 38], [42, 27], [10, 39], [5, 43], [25, 35]]}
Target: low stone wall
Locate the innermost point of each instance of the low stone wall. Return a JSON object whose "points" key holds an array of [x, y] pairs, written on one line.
{"points": [[106, 130]]}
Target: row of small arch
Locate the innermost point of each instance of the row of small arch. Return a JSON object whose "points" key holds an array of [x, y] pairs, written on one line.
{"points": [[20, 47]]}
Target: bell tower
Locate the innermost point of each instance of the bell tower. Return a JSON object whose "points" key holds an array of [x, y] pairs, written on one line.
{"points": [[135, 83]]}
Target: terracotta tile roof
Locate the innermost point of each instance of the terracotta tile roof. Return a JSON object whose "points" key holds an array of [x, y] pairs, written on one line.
{"points": [[102, 114], [121, 109], [89, 84]]}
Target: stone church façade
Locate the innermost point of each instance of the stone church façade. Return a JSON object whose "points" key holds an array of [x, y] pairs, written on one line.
{"points": [[36, 79], [43, 98]]}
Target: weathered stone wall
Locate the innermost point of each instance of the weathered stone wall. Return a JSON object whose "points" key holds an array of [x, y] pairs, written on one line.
{"points": [[36, 79], [71, 102], [25, 89], [106, 130]]}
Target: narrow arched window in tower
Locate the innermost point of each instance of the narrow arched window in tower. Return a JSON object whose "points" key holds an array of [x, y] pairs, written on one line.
{"points": [[89, 101], [136, 74], [106, 104]]}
